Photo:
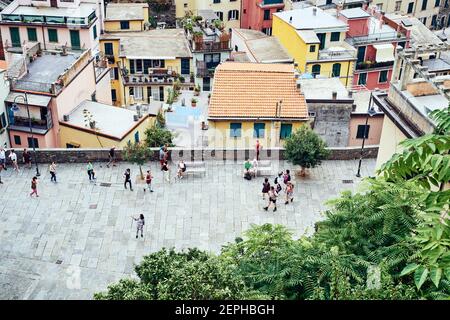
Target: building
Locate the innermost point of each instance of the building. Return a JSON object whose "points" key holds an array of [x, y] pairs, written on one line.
{"points": [[52, 24], [323, 4], [413, 94], [126, 17], [375, 39], [145, 65], [245, 105], [257, 15], [316, 41], [94, 124], [4, 90], [51, 93], [258, 47], [229, 11], [209, 43]]}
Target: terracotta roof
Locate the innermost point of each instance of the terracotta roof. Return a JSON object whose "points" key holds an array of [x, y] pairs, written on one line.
{"points": [[252, 90]]}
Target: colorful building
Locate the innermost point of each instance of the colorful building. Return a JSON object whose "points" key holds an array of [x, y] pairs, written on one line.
{"points": [[246, 106], [52, 24], [145, 65], [316, 41], [126, 17], [375, 38], [257, 15]]}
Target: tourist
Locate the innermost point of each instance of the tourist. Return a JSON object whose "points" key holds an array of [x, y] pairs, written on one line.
{"points": [[148, 181], [52, 170], [162, 154], [140, 225], [166, 171], [90, 171], [247, 167], [1, 168], [286, 177], [34, 187], [13, 157], [266, 188], [181, 169], [272, 199], [166, 152], [289, 192], [112, 157], [127, 176], [3, 158], [254, 169], [27, 158], [258, 147], [276, 182]]}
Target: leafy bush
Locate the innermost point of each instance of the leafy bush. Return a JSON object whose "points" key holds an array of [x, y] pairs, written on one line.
{"points": [[156, 136]]}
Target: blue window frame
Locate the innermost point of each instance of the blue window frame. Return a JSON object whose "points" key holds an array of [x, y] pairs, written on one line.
{"points": [[285, 130], [136, 137], [258, 130], [235, 130], [109, 49], [185, 66], [124, 25]]}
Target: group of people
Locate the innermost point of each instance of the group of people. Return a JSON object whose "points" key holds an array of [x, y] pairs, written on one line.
{"points": [[250, 169], [272, 192], [14, 159]]}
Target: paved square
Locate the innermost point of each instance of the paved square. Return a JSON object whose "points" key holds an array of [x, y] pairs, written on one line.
{"points": [[78, 237]]}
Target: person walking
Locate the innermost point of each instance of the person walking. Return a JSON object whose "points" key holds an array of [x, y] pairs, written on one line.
{"points": [[90, 171], [27, 158], [148, 180], [127, 176], [3, 158], [257, 149], [161, 156], [52, 170], [112, 157], [181, 169], [272, 199], [289, 192], [140, 225], [13, 156], [34, 183], [276, 182], [266, 188], [166, 171], [286, 177]]}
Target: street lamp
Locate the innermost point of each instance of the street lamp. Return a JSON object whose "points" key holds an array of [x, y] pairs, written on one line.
{"points": [[15, 108], [370, 112]]}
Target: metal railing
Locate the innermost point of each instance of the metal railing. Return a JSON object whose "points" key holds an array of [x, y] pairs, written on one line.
{"points": [[374, 65], [328, 54], [386, 36], [35, 123], [38, 19], [209, 46]]}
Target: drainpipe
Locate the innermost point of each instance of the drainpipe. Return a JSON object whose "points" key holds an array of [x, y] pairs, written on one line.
{"points": [[43, 38]]}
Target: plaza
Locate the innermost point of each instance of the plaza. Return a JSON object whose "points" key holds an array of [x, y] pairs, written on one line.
{"points": [[78, 237]]}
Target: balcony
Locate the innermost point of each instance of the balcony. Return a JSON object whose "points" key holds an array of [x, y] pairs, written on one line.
{"points": [[271, 2], [154, 76], [24, 85], [38, 19], [205, 71], [376, 37], [369, 65], [210, 46]]}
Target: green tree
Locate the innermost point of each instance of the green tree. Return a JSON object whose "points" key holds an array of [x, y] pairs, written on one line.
{"points": [[137, 153], [305, 148], [156, 137], [160, 119]]}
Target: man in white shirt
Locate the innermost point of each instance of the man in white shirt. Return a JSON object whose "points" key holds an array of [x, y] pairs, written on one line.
{"points": [[13, 157], [2, 158]]}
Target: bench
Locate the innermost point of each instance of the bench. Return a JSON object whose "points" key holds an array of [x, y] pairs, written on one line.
{"points": [[195, 167], [264, 168]]}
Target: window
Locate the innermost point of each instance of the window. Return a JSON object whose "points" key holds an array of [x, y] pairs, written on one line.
{"points": [[138, 66], [322, 38], [136, 137], [3, 121], [72, 146], [32, 35], [437, 3], [185, 5], [398, 5], [94, 97], [211, 60], [94, 31], [312, 48], [15, 36], [186, 65], [113, 95], [362, 131], [236, 48], [336, 70], [124, 25], [335, 36], [233, 15], [216, 1], [362, 80], [114, 73], [131, 91], [33, 142], [379, 6], [219, 14], [267, 14], [315, 70], [285, 130], [434, 21], [383, 76], [17, 140], [52, 35], [109, 49], [424, 4], [258, 130], [136, 92], [410, 7], [235, 130]]}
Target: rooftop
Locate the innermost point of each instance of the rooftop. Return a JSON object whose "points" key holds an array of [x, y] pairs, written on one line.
{"points": [[306, 19], [110, 120], [354, 13], [125, 11], [439, 64], [152, 44], [252, 90], [263, 48], [83, 10], [420, 34], [322, 89]]}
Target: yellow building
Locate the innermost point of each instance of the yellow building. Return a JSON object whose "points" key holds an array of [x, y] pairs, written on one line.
{"points": [[315, 39], [94, 124], [245, 105], [228, 11], [145, 65], [126, 17]]}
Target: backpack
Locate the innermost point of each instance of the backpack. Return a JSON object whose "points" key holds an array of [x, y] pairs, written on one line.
{"points": [[278, 188]]}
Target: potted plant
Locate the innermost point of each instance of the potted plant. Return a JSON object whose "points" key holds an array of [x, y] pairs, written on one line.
{"points": [[193, 102], [197, 90], [209, 97]]}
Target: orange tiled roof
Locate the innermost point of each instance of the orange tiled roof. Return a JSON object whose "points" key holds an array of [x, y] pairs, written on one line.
{"points": [[252, 90]]}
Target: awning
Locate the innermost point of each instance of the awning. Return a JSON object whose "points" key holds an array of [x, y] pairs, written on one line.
{"points": [[385, 52], [33, 99]]}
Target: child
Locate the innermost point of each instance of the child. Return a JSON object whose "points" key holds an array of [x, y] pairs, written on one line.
{"points": [[148, 181], [52, 170], [289, 192], [34, 187]]}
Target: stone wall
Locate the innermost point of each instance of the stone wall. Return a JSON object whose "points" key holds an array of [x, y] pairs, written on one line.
{"points": [[97, 155]]}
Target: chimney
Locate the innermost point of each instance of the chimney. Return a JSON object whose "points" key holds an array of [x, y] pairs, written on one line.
{"points": [[315, 11], [135, 117], [334, 95], [290, 19], [66, 118]]}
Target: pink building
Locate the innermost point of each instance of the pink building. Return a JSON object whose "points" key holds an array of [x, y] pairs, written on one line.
{"points": [[375, 38], [257, 15], [51, 93]]}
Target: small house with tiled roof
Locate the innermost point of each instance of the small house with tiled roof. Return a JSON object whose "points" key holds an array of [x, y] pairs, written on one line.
{"points": [[251, 101]]}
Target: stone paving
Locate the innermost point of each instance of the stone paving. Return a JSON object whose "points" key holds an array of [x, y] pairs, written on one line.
{"points": [[78, 237]]}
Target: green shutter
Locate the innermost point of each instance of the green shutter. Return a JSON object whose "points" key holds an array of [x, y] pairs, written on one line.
{"points": [[94, 32], [258, 130], [285, 130], [52, 35], [32, 35], [75, 39], [235, 130], [15, 36]]}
